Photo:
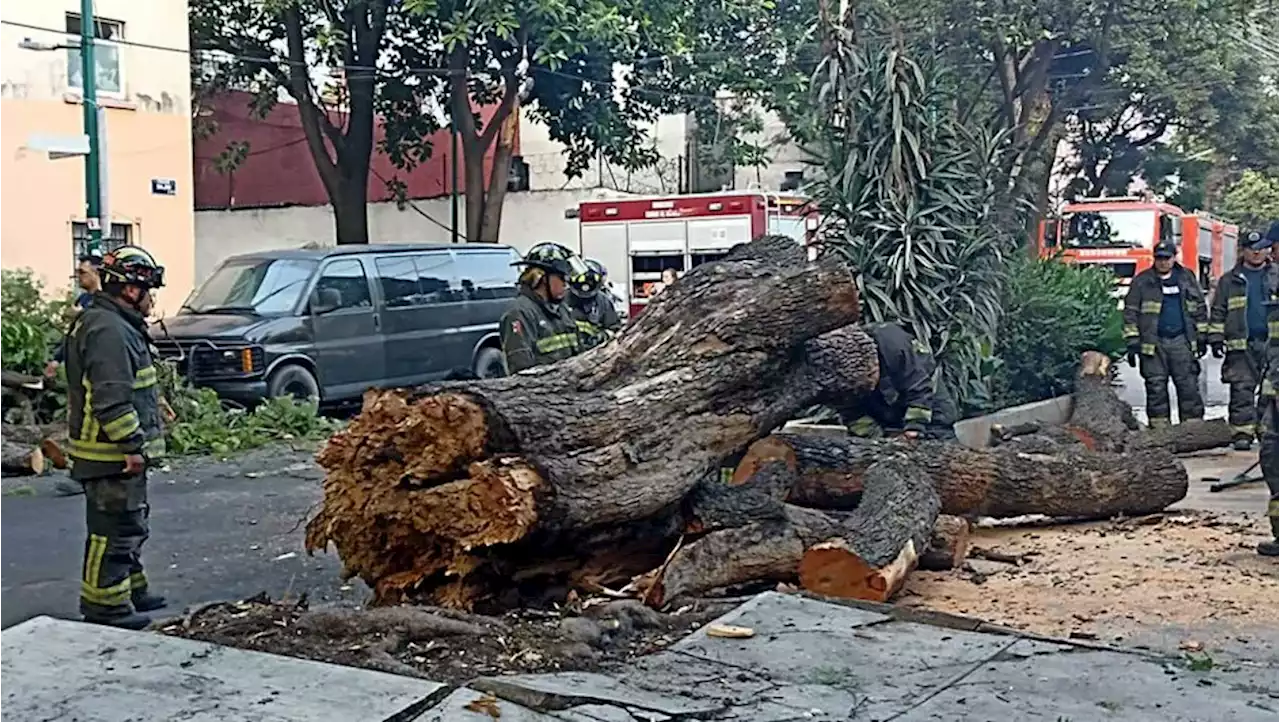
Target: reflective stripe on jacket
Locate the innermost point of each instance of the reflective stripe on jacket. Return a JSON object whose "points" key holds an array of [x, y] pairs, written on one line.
{"points": [[113, 400], [535, 332], [1143, 302], [1228, 317]]}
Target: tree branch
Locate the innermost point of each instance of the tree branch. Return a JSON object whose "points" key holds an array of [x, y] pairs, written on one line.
{"points": [[313, 120]]}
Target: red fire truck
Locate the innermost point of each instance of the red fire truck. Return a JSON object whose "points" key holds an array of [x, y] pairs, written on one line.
{"points": [[1119, 233], [638, 238]]}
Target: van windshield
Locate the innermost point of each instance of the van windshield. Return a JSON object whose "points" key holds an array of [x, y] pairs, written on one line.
{"points": [[263, 287]]}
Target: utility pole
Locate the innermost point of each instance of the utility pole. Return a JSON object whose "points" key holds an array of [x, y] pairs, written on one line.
{"points": [[89, 103]]}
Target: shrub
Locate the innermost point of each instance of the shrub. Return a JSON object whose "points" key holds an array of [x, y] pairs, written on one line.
{"points": [[32, 323], [1053, 312]]}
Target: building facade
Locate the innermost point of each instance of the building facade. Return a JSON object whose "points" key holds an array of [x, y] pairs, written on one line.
{"points": [[144, 88]]}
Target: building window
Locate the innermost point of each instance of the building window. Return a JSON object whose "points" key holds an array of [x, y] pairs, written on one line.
{"points": [[120, 234], [106, 57]]}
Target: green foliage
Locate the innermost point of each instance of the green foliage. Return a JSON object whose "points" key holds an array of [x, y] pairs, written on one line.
{"points": [[32, 324], [1053, 312], [1252, 201], [207, 425], [912, 197]]}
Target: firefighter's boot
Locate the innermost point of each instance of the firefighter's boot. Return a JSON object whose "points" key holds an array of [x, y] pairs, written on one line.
{"points": [[148, 602], [1271, 548], [132, 621]]}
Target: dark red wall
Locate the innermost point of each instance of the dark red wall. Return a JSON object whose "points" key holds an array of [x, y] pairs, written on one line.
{"points": [[279, 170]]}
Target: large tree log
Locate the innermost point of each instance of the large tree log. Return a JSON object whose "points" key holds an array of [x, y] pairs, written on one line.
{"points": [[1185, 437], [948, 545], [618, 434], [46, 436], [998, 482], [881, 542], [18, 459]]}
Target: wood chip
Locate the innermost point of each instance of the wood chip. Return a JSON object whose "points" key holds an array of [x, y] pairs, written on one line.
{"points": [[728, 631], [487, 704]]}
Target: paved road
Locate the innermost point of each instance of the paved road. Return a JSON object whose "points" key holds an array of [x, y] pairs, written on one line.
{"points": [[219, 531]]}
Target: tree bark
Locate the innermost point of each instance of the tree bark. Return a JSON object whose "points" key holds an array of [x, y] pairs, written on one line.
{"points": [[1185, 437], [998, 482], [47, 437], [425, 487], [881, 541], [1099, 418], [18, 459], [948, 545]]}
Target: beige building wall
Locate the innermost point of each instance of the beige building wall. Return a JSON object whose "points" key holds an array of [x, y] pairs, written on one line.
{"points": [[147, 134]]}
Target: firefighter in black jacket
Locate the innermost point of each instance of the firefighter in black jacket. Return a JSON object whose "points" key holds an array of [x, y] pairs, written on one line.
{"points": [[1242, 326], [538, 328], [1166, 322], [904, 399], [592, 307], [114, 424]]}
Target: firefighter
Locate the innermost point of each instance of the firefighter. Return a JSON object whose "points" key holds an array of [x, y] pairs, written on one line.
{"points": [[1241, 330], [592, 307], [1165, 323], [89, 283], [539, 328], [115, 429], [904, 399], [1269, 420]]}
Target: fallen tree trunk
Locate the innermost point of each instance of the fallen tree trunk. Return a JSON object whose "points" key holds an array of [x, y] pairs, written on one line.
{"points": [[948, 545], [1099, 419], [881, 542], [425, 487], [47, 437], [20, 460], [999, 482], [1185, 437]]}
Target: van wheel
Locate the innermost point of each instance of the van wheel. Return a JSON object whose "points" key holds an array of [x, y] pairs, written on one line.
{"points": [[292, 380], [490, 363]]}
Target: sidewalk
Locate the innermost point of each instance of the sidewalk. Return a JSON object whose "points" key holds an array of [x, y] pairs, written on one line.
{"points": [[807, 660]]}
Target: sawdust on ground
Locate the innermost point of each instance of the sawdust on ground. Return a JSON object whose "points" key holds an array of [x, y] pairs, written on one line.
{"points": [[1109, 579]]}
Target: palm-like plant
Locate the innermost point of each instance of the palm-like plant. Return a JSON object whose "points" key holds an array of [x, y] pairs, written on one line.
{"points": [[912, 196]]}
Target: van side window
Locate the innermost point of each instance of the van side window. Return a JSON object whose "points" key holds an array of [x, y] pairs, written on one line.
{"points": [[398, 278], [488, 275], [436, 278], [342, 284]]}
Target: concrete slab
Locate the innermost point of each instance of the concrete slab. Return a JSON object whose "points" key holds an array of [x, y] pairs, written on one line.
{"points": [[470, 704], [70, 671], [566, 690]]}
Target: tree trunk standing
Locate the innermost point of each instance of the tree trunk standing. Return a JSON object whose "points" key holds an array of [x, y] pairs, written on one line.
{"points": [[341, 157], [454, 479], [484, 198], [495, 198], [351, 211]]}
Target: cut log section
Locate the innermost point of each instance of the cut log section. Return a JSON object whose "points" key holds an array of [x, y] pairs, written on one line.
{"points": [[1185, 437], [45, 436], [1099, 419], [999, 482], [948, 545], [618, 434], [21, 460], [881, 542]]}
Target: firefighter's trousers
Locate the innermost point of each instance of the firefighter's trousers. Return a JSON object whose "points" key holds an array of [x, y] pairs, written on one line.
{"points": [[1242, 372], [116, 514], [1173, 359], [1267, 452]]}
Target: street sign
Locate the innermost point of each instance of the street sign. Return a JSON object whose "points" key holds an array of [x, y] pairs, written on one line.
{"points": [[164, 186]]}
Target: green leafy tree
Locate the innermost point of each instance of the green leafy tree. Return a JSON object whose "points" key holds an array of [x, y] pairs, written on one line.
{"points": [[1252, 202], [916, 199], [586, 68]]}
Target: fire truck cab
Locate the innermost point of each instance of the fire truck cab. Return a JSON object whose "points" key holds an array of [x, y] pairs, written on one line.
{"points": [[1119, 234], [638, 238]]}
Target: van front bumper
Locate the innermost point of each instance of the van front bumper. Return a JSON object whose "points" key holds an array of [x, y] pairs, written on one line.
{"points": [[246, 392]]}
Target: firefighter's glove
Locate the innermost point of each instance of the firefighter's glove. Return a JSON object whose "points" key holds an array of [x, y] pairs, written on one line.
{"points": [[1201, 349], [1218, 350], [1132, 355]]}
